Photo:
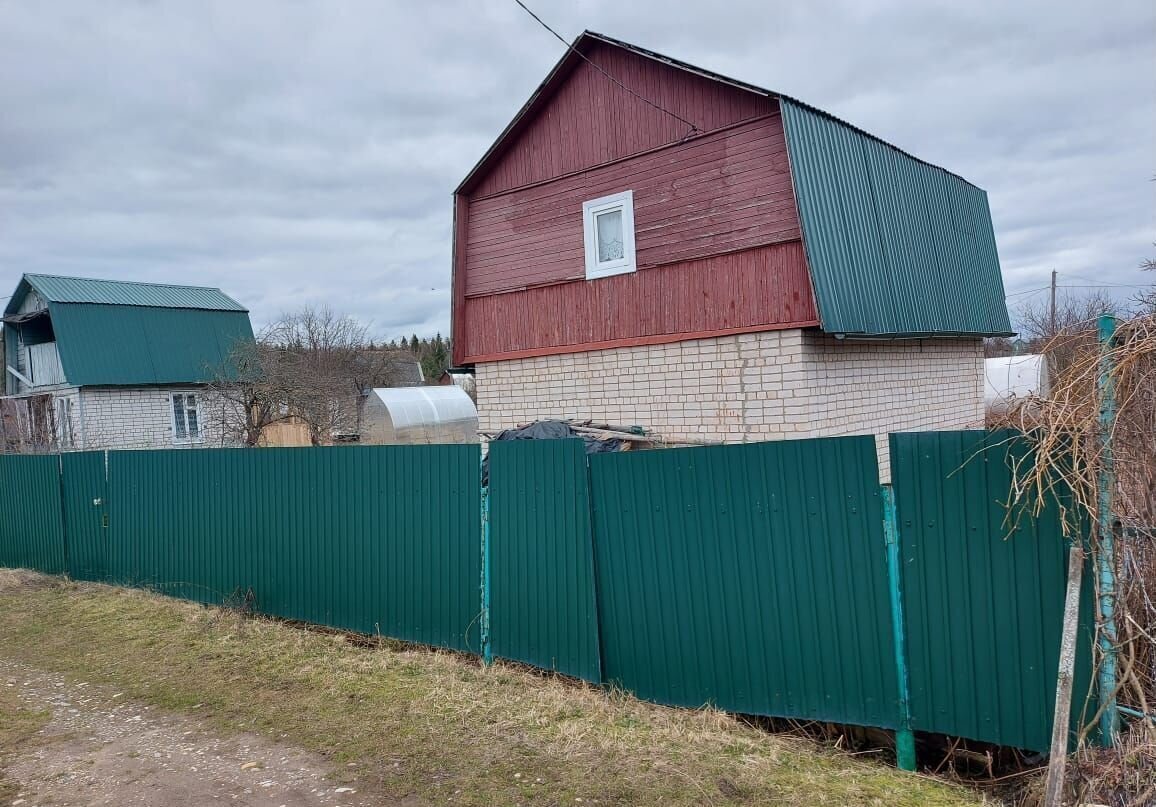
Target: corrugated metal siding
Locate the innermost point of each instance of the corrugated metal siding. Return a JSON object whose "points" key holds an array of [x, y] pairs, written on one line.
{"points": [[752, 577], [372, 539], [85, 491], [542, 606], [723, 192], [757, 289], [152, 345], [589, 120], [31, 530], [984, 611], [117, 292], [895, 246]]}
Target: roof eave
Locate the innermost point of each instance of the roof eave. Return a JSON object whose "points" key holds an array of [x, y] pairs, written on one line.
{"points": [[865, 336]]}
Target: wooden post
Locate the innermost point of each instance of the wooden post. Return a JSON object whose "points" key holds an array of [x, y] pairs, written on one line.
{"points": [[1054, 787]]}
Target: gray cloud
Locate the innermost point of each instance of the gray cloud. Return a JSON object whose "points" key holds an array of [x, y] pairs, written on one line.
{"points": [[305, 152]]}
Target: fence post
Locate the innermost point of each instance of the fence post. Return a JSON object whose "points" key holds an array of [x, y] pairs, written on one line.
{"points": [[1106, 554], [63, 515], [487, 651], [904, 736]]}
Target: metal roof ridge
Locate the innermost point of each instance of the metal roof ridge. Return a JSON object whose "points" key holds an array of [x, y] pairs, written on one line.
{"points": [[124, 282], [31, 279]]}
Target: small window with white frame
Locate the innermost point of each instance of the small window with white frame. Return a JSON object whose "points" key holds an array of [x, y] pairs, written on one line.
{"points": [[186, 418], [608, 228]]}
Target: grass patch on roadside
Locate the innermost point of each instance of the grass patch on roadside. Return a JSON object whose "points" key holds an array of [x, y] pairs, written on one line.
{"points": [[18, 727], [425, 724]]}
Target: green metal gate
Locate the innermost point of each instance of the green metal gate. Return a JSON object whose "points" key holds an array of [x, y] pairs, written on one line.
{"points": [[84, 492]]}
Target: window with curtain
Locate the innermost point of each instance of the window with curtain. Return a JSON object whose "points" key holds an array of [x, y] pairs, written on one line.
{"points": [[608, 228]]}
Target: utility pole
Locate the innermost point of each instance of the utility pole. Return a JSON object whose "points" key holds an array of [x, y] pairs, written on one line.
{"points": [[1052, 315]]}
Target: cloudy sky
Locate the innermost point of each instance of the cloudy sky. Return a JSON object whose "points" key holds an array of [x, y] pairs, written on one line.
{"points": [[305, 152]]}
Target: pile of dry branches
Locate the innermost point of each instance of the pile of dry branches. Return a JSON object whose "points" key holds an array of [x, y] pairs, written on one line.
{"points": [[1069, 454]]}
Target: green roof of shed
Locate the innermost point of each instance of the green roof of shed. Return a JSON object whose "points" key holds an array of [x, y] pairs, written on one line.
{"points": [[896, 246], [117, 333], [56, 289]]}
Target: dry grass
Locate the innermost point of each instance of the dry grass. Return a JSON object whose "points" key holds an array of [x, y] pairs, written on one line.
{"points": [[18, 727], [1066, 464], [430, 725]]}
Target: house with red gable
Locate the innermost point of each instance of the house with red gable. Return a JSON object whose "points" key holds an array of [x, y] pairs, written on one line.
{"points": [[652, 243]]}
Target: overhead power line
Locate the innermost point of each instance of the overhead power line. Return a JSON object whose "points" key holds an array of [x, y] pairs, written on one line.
{"points": [[1029, 291], [643, 98], [1106, 283], [1071, 286]]}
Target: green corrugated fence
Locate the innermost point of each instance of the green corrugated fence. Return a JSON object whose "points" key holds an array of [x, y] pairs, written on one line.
{"points": [[376, 539], [984, 597], [31, 526], [84, 492], [542, 607], [750, 577]]}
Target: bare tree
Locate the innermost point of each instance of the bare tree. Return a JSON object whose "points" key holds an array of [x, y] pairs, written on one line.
{"points": [[313, 365], [1067, 330]]}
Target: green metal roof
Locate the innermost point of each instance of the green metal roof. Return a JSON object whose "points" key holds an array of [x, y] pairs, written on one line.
{"points": [[896, 246], [56, 289], [130, 345]]}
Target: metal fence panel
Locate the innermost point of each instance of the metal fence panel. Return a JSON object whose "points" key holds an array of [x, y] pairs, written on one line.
{"points": [[542, 609], [377, 539], [752, 577], [31, 530], [984, 608], [84, 490]]}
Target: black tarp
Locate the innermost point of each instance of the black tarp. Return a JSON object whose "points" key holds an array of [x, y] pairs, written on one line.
{"points": [[553, 430]]}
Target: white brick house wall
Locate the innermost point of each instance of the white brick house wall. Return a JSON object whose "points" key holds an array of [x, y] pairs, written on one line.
{"points": [[758, 386], [131, 418]]}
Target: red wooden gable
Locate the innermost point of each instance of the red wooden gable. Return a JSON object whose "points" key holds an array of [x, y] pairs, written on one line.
{"points": [[710, 199]]}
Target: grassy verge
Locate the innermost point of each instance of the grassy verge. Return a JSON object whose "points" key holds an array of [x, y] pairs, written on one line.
{"points": [[18, 727], [428, 725]]}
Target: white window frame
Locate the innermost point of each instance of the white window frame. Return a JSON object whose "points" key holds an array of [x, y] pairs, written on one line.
{"points": [[188, 438], [590, 211]]}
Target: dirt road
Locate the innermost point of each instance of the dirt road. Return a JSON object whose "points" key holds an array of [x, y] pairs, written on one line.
{"points": [[98, 749]]}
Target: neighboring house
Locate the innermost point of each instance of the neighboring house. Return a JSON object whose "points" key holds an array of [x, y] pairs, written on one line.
{"points": [[402, 369], [716, 262], [110, 364], [460, 377]]}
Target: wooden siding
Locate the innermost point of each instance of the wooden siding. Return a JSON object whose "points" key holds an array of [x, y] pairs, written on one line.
{"points": [[591, 121], [751, 290], [723, 192]]}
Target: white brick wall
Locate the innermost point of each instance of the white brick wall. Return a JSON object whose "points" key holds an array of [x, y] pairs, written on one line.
{"points": [[758, 386], [118, 418]]}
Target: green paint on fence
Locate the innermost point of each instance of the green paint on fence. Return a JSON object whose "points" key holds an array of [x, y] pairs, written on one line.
{"points": [[543, 607], [85, 507], [984, 609], [752, 577], [31, 527], [380, 539]]}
